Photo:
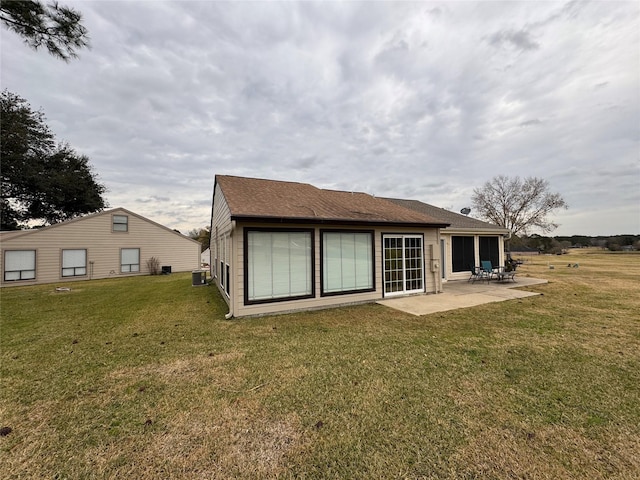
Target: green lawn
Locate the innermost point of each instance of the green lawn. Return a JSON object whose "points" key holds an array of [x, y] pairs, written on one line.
{"points": [[143, 378]]}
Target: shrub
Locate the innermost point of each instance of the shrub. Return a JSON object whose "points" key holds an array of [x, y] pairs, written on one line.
{"points": [[153, 264]]}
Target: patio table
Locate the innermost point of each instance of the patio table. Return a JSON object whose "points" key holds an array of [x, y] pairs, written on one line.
{"points": [[502, 274]]}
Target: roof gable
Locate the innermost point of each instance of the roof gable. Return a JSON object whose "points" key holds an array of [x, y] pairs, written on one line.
{"points": [[272, 200], [119, 210]]}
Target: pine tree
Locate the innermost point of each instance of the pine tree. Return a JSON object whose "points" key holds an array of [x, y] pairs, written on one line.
{"points": [[53, 26]]}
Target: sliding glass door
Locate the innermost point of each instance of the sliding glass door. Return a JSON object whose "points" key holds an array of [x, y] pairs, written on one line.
{"points": [[403, 264]]}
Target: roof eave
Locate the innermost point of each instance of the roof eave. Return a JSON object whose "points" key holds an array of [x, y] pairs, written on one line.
{"points": [[334, 221], [477, 230]]}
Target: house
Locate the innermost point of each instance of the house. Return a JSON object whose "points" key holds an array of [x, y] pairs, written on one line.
{"points": [[465, 242], [205, 258], [112, 243], [284, 246]]}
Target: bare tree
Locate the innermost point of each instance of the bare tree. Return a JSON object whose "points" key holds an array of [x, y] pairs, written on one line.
{"points": [[519, 205]]}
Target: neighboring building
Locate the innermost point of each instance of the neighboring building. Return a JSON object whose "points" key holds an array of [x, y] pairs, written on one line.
{"points": [[283, 246], [205, 258], [113, 243], [465, 242]]}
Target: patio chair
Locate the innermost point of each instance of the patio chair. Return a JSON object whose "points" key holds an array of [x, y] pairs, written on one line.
{"points": [[487, 269], [477, 273]]}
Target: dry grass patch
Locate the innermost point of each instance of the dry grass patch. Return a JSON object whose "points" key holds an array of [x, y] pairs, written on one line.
{"points": [[228, 440], [550, 452], [143, 378]]}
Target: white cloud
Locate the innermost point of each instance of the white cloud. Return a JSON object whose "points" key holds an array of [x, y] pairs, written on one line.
{"points": [[417, 100]]}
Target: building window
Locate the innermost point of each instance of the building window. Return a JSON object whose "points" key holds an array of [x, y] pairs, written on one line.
{"points": [[19, 265], [120, 223], [222, 260], [227, 285], [489, 250], [278, 265], [347, 262], [225, 253], [216, 254], [463, 254], [130, 260], [74, 263]]}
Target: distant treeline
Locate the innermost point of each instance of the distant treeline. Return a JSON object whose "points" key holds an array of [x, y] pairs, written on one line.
{"points": [[560, 244]]}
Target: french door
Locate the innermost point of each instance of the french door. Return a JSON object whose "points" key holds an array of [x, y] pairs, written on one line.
{"points": [[403, 264]]}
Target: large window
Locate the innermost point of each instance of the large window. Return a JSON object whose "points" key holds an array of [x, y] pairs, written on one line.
{"points": [[489, 250], [74, 263], [463, 254], [120, 223], [19, 265], [347, 262], [278, 265], [130, 260]]}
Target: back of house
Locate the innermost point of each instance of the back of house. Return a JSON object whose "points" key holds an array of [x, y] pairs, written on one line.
{"points": [[283, 246]]}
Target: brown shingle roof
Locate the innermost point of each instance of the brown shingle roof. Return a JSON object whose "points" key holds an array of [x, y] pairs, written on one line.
{"points": [[455, 220], [253, 198]]}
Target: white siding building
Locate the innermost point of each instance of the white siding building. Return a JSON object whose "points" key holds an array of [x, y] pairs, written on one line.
{"points": [[113, 243]]}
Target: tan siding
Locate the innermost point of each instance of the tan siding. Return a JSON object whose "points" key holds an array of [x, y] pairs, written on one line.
{"points": [[94, 233], [432, 281], [221, 215], [221, 226]]}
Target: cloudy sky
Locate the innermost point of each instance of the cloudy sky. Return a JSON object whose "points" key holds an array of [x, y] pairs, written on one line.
{"points": [[420, 100]]}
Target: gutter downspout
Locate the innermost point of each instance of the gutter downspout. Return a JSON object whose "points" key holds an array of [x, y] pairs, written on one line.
{"points": [[229, 315], [506, 246]]}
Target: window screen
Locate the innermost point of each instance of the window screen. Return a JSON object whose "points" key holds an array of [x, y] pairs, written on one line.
{"points": [[462, 251], [489, 250]]}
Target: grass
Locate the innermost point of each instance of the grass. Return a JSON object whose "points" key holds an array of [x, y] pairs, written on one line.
{"points": [[143, 378]]}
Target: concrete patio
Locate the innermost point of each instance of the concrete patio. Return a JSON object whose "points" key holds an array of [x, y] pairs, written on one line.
{"points": [[463, 294]]}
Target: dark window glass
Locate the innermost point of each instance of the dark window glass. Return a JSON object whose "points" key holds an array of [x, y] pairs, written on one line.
{"points": [[463, 255]]}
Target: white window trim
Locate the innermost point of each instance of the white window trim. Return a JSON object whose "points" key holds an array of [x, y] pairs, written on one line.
{"points": [[404, 290]]}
